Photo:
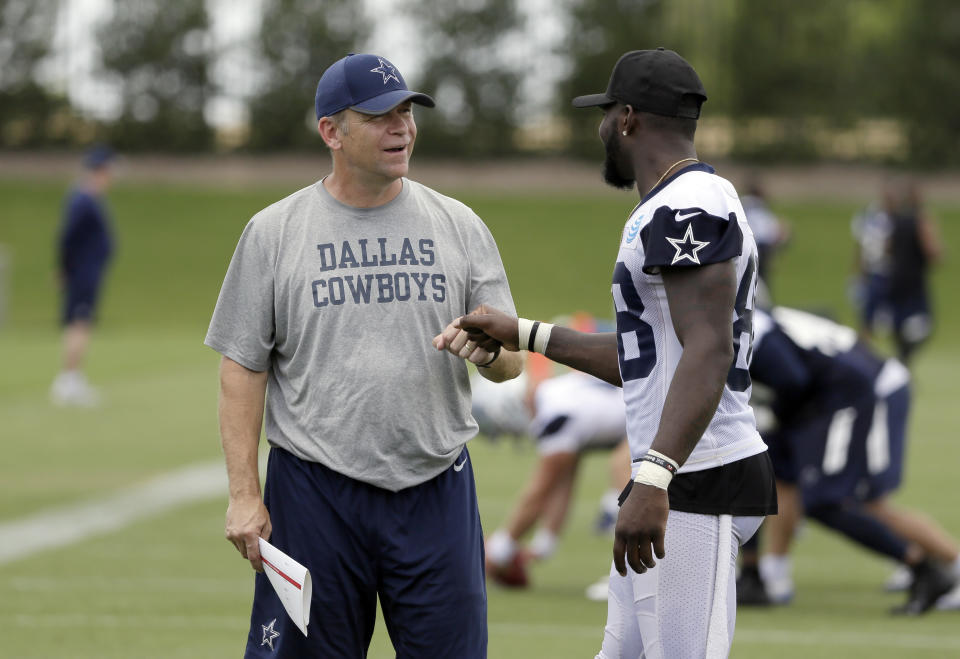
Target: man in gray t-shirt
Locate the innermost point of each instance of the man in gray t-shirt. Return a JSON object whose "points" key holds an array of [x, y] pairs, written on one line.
{"points": [[325, 321]]}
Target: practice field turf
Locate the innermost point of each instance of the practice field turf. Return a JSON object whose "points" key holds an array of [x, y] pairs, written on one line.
{"points": [[170, 586]]}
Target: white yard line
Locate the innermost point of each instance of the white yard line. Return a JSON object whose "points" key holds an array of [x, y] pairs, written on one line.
{"points": [[68, 524]]}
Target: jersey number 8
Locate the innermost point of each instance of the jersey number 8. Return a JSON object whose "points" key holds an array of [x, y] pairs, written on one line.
{"points": [[637, 348]]}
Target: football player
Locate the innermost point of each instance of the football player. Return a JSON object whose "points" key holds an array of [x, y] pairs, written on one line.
{"points": [[567, 414], [837, 444]]}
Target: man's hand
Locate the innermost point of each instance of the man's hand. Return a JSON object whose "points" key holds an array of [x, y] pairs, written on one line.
{"points": [[488, 322], [248, 520], [461, 344], [475, 347], [642, 522]]}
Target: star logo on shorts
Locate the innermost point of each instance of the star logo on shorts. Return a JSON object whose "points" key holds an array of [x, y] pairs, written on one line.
{"points": [[387, 70], [687, 247], [269, 633]]}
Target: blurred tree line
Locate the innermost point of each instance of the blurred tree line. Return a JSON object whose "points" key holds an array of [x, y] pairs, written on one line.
{"points": [[26, 107], [786, 80]]}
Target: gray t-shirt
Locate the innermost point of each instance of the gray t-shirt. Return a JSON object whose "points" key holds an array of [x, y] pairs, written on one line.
{"points": [[340, 305]]}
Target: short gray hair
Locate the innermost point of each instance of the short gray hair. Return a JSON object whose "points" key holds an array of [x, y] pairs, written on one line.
{"points": [[340, 121]]}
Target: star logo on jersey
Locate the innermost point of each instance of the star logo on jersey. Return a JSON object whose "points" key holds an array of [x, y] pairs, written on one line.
{"points": [[634, 229], [269, 633], [387, 70], [687, 247]]}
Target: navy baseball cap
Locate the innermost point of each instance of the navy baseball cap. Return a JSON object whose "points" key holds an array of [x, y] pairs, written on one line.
{"points": [[98, 156], [365, 83], [657, 81]]}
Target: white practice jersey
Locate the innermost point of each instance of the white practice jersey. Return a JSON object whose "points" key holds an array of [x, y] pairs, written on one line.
{"points": [[575, 412], [693, 218]]}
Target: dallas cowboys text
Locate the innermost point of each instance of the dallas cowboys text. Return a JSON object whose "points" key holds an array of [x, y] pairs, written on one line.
{"points": [[380, 287]]}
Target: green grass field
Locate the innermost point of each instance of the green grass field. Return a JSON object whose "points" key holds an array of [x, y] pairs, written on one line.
{"points": [[170, 586]]}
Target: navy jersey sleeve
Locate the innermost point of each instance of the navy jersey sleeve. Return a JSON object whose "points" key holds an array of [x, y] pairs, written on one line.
{"points": [[689, 237]]}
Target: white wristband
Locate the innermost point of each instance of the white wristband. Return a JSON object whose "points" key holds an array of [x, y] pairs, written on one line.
{"points": [[650, 473], [533, 335], [523, 329], [542, 338]]}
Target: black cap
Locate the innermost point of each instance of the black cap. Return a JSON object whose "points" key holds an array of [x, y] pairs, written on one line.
{"points": [[657, 81]]}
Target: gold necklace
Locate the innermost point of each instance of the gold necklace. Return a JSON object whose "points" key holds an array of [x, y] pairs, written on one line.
{"points": [[660, 180], [670, 169]]}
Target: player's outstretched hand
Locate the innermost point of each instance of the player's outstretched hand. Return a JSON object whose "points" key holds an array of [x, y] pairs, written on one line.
{"points": [[641, 524], [248, 520], [478, 348], [488, 322]]}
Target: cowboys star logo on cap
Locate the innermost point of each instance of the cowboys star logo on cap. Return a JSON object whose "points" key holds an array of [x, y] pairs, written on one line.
{"points": [[687, 247], [347, 83], [386, 70]]}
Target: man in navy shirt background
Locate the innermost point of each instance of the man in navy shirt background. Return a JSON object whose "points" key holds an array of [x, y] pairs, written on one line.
{"points": [[84, 248]]}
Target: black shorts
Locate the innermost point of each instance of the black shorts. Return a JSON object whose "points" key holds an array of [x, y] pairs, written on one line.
{"points": [[744, 488]]}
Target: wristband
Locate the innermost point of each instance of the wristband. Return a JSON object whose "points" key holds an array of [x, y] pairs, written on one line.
{"points": [[523, 332], [533, 335], [656, 457], [496, 353], [541, 338], [656, 469], [649, 473]]}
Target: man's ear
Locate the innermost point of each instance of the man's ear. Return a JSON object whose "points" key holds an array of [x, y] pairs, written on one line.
{"points": [[330, 133], [628, 120]]}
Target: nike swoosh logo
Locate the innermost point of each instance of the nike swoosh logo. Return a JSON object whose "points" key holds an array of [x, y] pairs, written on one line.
{"points": [[686, 216], [458, 467]]}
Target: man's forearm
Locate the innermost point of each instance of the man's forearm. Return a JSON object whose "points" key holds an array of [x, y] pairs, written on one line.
{"points": [[241, 417], [506, 367], [593, 353]]}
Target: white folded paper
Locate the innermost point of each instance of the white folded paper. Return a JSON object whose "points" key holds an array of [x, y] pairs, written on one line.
{"points": [[291, 581]]}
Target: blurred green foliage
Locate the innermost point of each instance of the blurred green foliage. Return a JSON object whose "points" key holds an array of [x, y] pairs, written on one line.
{"points": [[475, 88], [298, 40], [853, 80], [27, 109], [785, 74], [156, 49]]}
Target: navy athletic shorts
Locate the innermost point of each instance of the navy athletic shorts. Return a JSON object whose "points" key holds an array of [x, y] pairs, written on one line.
{"points": [[80, 300], [839, 455], [420, 550]]}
